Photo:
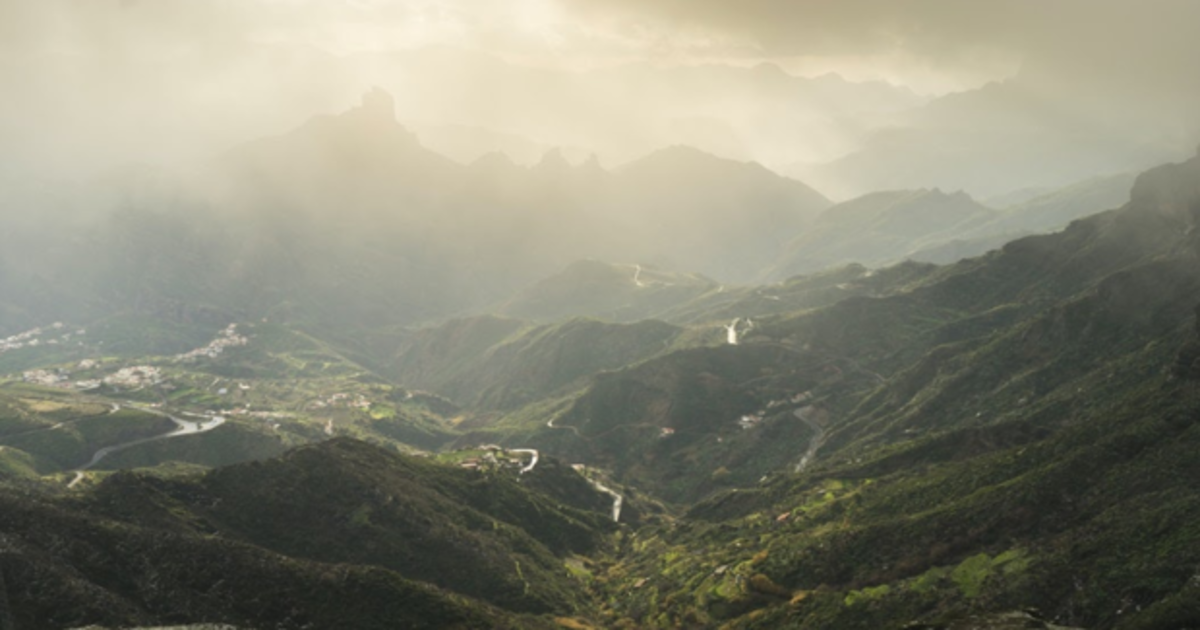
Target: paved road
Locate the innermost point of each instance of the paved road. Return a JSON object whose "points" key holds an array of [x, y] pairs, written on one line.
{"points": [[805, 415], [550, 424], [617, 499], [532, 463], [79, 474], [182, 428], [731, 333]]}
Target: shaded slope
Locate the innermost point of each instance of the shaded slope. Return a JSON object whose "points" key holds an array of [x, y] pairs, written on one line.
{"points": [[670, 426], [501, 364], [338, 534], [67, 568], [344, 501]]}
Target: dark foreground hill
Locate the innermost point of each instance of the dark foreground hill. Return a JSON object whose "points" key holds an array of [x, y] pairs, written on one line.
{"points": [[336, 535]]}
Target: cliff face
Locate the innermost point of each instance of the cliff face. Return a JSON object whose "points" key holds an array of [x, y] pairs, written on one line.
{"points": [[1172, 190]]}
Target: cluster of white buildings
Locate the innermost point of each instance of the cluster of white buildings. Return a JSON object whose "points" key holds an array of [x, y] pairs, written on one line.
{"points": [[134, 377], [796, 399], [341, 399], [227, 338], [51, 378], [59, 377], [494, 457], [260, 415], [37, 337], [749, 421]]}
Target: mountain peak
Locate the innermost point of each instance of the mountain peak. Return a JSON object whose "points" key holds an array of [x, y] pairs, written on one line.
{"points": [[553, 160], [378, 105], [494, 161], [592, 163]]}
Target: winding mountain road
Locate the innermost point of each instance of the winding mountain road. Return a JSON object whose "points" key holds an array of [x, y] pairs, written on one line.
{"points": [[182, 428], [550, 424], [532, 462], [617, 499], [804, 414]]}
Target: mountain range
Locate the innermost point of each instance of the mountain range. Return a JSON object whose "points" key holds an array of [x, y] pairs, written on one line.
{"points": [[334, 379]]}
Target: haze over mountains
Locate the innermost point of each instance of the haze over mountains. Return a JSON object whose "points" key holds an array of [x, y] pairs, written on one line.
{"points": [[566, 314], [350, 218]]}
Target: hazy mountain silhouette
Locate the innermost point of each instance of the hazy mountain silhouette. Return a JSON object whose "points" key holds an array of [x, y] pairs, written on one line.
{"points": [[998, 138]]}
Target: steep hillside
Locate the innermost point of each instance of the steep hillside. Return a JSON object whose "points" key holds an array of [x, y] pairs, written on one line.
{"points": [[498, 364], [843, 352], [1024, 443], [321, 537], [1079, 505], [67, 568], [683, 425]]}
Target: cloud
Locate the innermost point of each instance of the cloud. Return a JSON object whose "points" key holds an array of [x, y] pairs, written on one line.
{"points": [[161, 79], [1080, 35]]}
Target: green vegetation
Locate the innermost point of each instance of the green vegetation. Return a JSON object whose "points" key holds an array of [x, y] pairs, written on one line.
{"points": [[341, 516]]}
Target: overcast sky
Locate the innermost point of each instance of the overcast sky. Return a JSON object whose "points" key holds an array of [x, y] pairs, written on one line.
{"points": [[905, 39], [211, 71]]}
